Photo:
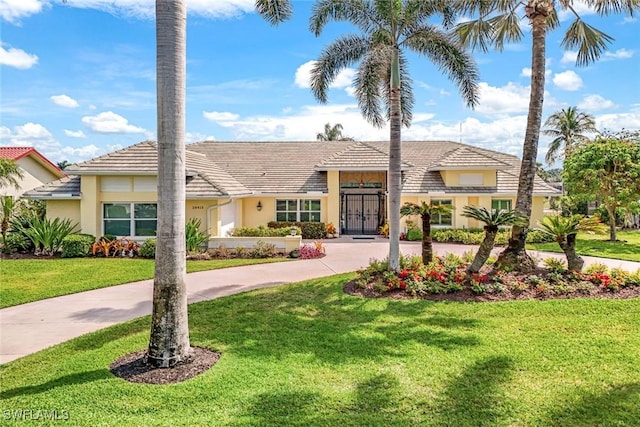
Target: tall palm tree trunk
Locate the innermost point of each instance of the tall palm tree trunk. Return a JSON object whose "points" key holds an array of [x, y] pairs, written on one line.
{"points": [[427, 240], [514, 255], [484, 251], [568, 246], [169, 338], [395, 164]]}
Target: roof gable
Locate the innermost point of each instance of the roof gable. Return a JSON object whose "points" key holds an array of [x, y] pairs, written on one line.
{"points": [[467, 158], [17, 153], [358, 156]]}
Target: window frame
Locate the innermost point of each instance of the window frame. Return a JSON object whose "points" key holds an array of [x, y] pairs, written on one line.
{"points": [[299, 210], [499, 202], [132, 219], [438, 222]]}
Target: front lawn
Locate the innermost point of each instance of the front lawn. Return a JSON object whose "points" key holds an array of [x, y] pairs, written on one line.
{"points": [[596, 245], [26, 280], [308, 354]]}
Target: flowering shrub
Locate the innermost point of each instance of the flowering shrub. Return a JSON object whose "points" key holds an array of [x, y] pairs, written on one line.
{"points": [[448, 275], [308, 251], [330, 228]]}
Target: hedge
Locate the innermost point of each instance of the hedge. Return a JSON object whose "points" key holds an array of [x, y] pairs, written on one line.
{"points": [[77, 245], [310, 230]]}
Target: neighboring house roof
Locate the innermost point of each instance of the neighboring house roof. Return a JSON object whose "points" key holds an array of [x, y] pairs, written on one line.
{"points": [[17, 153], [235, 169]]}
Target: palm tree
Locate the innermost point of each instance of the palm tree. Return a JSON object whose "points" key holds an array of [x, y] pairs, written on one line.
{"points": [[493, 220], [387, 30], [7, 208], [63, 164], [426, 211], [332, 133], [10, 173], [568, 128], [169, 336], [564, 230], [499, 22]]}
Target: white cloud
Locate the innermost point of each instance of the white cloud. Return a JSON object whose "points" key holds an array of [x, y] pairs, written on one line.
{"points": [[145, 8], [616, 122], [595, 103], [74, 133], [344, 79], [569, 57], [629, 19], [65, 101], [13, 10], [618, 54], [567, 80], [80, 153], [219, 116], [196, 137], [16, 58], [110, 122], [512, 98]]}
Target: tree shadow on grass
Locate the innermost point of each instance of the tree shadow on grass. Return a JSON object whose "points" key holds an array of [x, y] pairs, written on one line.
{"points": [[476, 398], [98, 339], [375, 403], [334, 328], [67, 380], [619, 406]]}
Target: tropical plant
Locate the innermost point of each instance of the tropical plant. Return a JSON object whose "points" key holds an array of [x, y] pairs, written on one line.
{"points": [[169, 336], [46, 235], [493, 219], [498, 22], [63, 164], [7, 207], [568, 128], [564, 230], [194, 237], [425, 211], [10, 173], [607, 170], [332, 133], [388, 29], [77, 245]]}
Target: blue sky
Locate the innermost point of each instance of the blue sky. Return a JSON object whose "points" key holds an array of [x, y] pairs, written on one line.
{"points": [[78, 80]]}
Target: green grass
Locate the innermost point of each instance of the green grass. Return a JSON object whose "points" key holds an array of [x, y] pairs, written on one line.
{"points": [[27, 280], [309, 355], [596, 245]]}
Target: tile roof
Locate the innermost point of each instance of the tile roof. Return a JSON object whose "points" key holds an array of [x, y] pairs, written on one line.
{"points": [[358, 156], [234, 169], [17, 153]]}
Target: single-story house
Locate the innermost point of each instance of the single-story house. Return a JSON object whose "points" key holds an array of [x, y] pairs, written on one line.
{"points": [[234, 184], [36, 169]]}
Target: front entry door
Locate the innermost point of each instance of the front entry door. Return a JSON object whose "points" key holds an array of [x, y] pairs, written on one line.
{"points": [[362, 213]]}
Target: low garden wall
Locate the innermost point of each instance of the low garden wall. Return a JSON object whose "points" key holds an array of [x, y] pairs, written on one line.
{"points": [[283, 244]]}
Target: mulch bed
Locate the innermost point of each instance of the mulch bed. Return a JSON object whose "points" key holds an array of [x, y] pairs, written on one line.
{"points": [[467, 295], [133, 367]]}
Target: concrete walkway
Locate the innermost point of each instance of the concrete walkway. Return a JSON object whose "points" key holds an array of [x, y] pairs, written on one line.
{"points": [[31, 327]]}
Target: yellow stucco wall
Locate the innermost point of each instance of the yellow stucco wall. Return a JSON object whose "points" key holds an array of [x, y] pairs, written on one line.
{"points": [[333, 199], [64, 209], [537, 210], [451, 178]]}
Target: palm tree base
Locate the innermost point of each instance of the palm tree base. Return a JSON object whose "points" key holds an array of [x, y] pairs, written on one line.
{"points": [[515, 259]]}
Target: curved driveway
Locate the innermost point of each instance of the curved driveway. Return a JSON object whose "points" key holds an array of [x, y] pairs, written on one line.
{"points": [[31, 327]]}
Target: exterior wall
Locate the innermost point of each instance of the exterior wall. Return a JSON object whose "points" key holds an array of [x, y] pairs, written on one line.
{"points": [[333, 199], [90, 205], [252, 217], [451, 178], [537, 210], [34, 175], [64, 209]]}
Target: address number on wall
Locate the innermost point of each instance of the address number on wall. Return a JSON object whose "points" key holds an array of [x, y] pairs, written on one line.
{"points": [[197, 207]]}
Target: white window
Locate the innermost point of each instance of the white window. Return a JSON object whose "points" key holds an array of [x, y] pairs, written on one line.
{"points": [[298, 210], [130, 219], [501, 205], [441, 218]]}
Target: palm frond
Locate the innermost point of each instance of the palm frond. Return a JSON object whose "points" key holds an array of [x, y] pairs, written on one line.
{"points": [[274, 11], [506, 28], [359, 13], [406, 92], [444, 51], [370, 81], [494, 217], [340, 54], [476, 34], [590, 42], [606, 7]]}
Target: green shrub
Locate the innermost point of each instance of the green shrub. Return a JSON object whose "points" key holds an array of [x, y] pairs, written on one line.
{"points": [[194, 237], [263, 250], [148, 249], [309, 230], [18, 242], [414, 234], [537, 236], [77, 245], [262, 231]]}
